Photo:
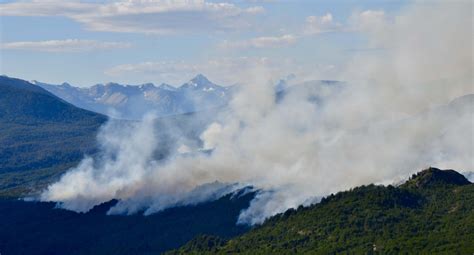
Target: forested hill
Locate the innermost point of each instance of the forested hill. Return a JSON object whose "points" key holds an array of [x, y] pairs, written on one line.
{"points": [[40, 136], [23, 102], [432, 213]]}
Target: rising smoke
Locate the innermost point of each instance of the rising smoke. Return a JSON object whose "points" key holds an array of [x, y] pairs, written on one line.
{"points": [[393, 117]]}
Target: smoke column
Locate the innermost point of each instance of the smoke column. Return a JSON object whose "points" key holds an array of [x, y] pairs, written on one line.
{"points": [[393, 117]]}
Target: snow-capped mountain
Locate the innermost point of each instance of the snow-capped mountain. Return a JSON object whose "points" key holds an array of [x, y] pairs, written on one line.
{"points": [[133, 101]]}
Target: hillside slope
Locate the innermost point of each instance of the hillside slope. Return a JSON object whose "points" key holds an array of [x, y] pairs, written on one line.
{"points": [[432, 213], [40, 136]]}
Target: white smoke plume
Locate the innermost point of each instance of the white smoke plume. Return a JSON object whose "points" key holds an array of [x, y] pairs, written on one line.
{"points": [[392, 118]]}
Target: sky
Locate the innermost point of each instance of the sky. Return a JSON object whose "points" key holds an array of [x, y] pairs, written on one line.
{"points": [[139, 41]]}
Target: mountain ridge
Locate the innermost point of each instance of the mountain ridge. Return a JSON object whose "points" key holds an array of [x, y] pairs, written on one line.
{"points": [[370, 219], [133, 101], [435, 176]]}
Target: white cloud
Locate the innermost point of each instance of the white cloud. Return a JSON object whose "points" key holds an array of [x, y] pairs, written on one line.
{"points": [[255, 10], [367, 21], [68, 45], [45, 8], [141, 16], [262, 1], [224, 71], [321, 24], [174, 72], [359, 21], [261, 42]]}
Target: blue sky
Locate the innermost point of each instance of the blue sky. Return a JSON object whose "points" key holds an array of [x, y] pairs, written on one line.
{"points": [[134, 42]]}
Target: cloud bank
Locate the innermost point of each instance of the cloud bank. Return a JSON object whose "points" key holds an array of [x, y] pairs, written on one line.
{"points": [[141, 16], [261, 42], [224, 70], [393, 117], [317, 25], [68, 45]]}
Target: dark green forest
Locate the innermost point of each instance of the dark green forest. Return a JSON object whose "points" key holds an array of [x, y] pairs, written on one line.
{"points": [[39, 228], [432, 213]]}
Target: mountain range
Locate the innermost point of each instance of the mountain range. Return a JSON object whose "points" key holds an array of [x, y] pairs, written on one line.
{"points": [[134, 101], [199, 94]]}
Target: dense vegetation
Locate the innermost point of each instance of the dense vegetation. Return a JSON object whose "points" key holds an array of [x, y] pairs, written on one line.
{"points": [[40, 136], [38, 228], [432, 213]]}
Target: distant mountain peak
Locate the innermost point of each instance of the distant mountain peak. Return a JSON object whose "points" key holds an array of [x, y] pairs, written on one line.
{"points": [[200, 79], [200, 82], [434, 176], [112, 84], [165, 86], [147, 86]]}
